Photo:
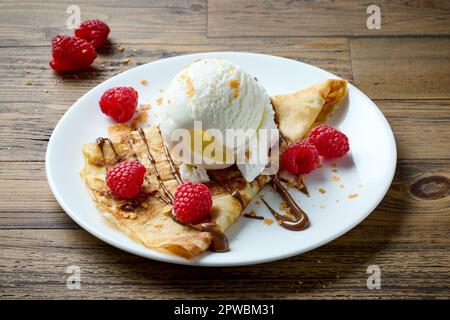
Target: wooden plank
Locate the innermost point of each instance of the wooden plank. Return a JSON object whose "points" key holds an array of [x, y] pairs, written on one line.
{"points": [[131, 22], [278, 18], [28, 126], [406, 68], [26, 129], [26, 200], [28, 68], [415, 124], [413, 265]]}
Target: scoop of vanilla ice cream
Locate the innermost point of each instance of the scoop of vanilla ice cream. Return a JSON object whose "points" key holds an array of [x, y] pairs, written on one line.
{"points": [[220, 95]]}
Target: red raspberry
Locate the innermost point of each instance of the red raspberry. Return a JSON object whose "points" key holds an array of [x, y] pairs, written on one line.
{"points": [[119, 103], [94, 31], [300, 158], [125, 179], [330, 142], [70, 53], [192, 202]]}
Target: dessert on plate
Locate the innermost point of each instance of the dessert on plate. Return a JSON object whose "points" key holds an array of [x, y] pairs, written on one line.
{"points": [[183, 203]]}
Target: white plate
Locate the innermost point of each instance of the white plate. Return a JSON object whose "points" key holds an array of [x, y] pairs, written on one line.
{"points": [[367, 170]]}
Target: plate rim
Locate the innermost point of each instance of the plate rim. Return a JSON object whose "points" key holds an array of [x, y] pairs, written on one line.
{"points": [[176, 260]]}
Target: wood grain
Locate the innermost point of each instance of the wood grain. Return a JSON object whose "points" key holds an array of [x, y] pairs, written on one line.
{"points": [[404, 68], [37, 22], [278, 18], [421, 128], [36, 268]]}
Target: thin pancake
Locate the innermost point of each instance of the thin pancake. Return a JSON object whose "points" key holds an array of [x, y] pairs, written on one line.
{"points": [[296, 113], [147, 218]]}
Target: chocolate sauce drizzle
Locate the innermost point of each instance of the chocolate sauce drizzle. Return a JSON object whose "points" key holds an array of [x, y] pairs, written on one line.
{"points": [[234, 193], [237, 195], [253, 216], [303, 189], [173, 168], [152, 160], [101, 143], [131, 149], [283, 136], [219, 240], [300, 221]]}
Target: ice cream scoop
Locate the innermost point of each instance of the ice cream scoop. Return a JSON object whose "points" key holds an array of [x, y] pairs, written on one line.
{"points": [[212, 99]]}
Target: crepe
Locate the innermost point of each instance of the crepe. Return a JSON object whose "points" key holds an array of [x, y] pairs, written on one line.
{"points": [[148, 217], [298, 112]]}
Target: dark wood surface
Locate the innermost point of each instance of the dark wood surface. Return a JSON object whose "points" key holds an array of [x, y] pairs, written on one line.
{"points": [[404, 67]]}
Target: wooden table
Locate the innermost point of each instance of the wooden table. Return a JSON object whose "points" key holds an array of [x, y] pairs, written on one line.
{"points": [[404, 67]]}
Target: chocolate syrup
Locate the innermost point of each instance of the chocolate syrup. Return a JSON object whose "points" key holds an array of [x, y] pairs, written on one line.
{"points": [[303, 189], [219, 239], [131, 149], [234, 193], [163, 198], [101, 143], [253, 216], [300, 221], [237, 195], [152, 160], [173, 168], [283, 136]]}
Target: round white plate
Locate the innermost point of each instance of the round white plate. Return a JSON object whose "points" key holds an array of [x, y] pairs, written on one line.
{"points": [[367, 170]]}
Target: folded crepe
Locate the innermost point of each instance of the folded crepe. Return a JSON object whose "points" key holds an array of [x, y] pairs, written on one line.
{"points": [[148, 218], [298, 112]]}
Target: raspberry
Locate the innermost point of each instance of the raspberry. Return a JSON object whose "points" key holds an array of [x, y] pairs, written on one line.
{"points": [[125, 179], [93, 31], [119, 103], [330, 142], [300, 158], [192, 202], [70, 53]]}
